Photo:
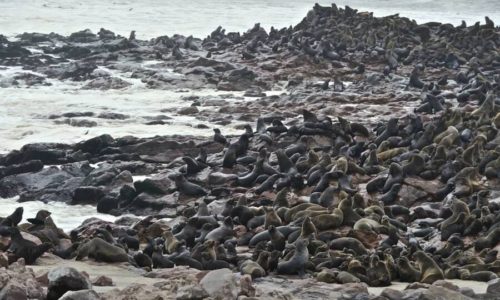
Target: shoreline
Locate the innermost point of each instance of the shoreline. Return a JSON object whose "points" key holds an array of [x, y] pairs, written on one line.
{"points": [[379, 162]]}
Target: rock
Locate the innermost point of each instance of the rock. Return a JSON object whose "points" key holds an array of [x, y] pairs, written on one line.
{"points": [[467, 291], [191, 292], [63, 279], [112, 116], [446, 284], [27, 167], [4, 260], [106, 83], [87, 195], [220, 283], [13, 291], [96, 144], [17, 282], [190, 110], [438, 293], [246, 287], [157, 185], [81, 295], [408, 195], [103, 281], [254, 92], [494, 287], [417, 285], [392, 294]]}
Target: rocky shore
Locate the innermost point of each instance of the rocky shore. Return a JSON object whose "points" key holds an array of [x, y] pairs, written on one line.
{"points": [[376, 163]]}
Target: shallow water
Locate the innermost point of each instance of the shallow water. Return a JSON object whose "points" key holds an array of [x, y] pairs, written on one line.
{"points": [[64, 216], [151, 18]]}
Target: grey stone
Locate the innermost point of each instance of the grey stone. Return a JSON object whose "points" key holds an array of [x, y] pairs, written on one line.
{"points": [[65, 279], [220, 284]]}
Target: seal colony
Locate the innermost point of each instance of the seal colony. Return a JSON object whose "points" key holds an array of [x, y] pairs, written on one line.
{"points": [[303, 191]]}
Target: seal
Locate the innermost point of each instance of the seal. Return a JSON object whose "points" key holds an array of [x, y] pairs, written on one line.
{"points": [[348, 243], [159, 260], [188, 232], [249, 267], [488, 241], [22, 248], [350, 217], [13, 219], [218, 137], [278, 240], [171, 242], [378, 274], [222, 233], [40, 217], [297, 263], [142, 260], [429, 269], [271, 218], [188, 188], [406, 272], [329, 221], [100, 250]]}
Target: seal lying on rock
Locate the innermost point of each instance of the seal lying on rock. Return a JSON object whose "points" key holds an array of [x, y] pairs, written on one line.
{"points": [[100, 250]]}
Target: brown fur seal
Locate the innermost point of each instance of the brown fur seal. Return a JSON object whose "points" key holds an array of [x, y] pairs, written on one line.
{"points": [[249, 267], [297, 263], [329, 221], [22, 248], [429, 269], [406, 271], [101, 250]]}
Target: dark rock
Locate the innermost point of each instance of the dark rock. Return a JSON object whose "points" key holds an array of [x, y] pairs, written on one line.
{"points": [[63, 279], [87, 195]]}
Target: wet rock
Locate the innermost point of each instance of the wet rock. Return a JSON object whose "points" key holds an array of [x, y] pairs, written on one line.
{"points": [[87, 195], [77, 123], [27, 167], [63, 279], [254, 92], [190, 110], [106, 83], [157, 185], [95, 145], [50, 184], [220, 283], [81, 295], [113, 116]]}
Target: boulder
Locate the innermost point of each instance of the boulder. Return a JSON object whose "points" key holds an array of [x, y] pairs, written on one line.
{"points": [[494, 287], [221, 284], [63, 279]]}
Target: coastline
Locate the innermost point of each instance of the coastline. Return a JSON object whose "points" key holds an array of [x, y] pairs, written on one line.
{"points": [[401, 130]]}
